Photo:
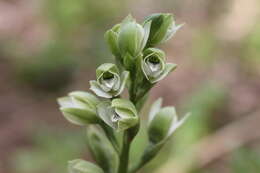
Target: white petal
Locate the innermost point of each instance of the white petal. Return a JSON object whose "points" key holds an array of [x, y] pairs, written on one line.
{"points": [[94, 86], [65, 102], [124, 78], [106, 112]]}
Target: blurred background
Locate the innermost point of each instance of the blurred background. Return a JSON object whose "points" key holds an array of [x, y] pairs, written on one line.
{"points": [[48, 48]]}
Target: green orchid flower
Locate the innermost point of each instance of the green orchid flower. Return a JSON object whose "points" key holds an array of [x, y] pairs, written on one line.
{"points": [[154, 66], [132, 37], [120, 114], [109, 83], [163, 27], [79, 108]]}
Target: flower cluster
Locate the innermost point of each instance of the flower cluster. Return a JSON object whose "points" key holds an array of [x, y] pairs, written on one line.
{"points": [[139, 65]]}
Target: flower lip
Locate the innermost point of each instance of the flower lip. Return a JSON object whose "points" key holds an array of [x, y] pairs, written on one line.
{"points": [[115, 118], [109, 81], [108, 75], [153, 63]]}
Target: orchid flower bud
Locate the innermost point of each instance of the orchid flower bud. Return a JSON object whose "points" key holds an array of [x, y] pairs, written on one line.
{"points": [[82, 166], [162, 122], [79, 108], [101, 149], [109, 83], [119, 114], [154, 66], [111, 37], [132, 37], [163, 27]]}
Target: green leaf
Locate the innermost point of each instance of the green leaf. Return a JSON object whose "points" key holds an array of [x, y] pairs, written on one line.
{"points": [[102, 150], [82, 166]]}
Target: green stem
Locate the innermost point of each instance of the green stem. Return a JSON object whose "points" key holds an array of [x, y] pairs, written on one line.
{"points": [[124, 156]]}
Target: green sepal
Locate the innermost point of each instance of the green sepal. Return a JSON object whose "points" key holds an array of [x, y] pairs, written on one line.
{"points": [[154, 51], [105, 68], [111, 37]]}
